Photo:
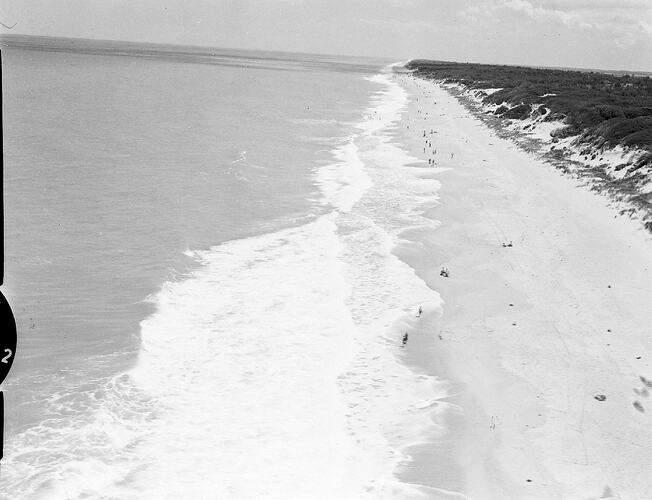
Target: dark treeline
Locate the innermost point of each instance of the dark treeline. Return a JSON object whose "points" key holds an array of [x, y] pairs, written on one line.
{"points": [[602, 109]]}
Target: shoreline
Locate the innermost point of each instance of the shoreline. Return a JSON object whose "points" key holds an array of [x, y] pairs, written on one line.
{"points": [[529, 333]]}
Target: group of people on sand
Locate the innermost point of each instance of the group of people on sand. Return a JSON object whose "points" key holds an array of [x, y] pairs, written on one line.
{"points": [[445, 273], [428, 142]]}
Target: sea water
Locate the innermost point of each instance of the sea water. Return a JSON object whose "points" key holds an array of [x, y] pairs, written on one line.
{"points": [[199, 257]]}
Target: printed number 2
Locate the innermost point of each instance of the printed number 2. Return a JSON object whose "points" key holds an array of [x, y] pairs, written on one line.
{"points": [[9, 353]]}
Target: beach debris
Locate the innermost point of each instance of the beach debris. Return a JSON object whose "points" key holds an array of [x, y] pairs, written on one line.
{"points": [[600, 397], [514, 324], [444, 272], [420, 311], [511, 305], [639, 406], [405, 338], [528, 480], [510, 244]]}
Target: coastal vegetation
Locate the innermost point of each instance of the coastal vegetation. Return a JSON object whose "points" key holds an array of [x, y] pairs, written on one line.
{"points": [[602, 109]]}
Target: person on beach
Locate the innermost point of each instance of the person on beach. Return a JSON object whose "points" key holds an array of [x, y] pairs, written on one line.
{"points": [[405, 338], [420, 311]]}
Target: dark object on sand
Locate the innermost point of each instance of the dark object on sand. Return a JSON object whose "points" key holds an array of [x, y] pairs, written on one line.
{"points": [[600, 397], [505, 245], [444, 272], [405, 338], [420, 310], [639, 406]]}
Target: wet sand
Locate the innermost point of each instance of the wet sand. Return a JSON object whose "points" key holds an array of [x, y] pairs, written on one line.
{"points": [[544, 341]]}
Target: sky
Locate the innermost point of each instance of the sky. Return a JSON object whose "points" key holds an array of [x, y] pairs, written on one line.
{"points": [[601, 34]]}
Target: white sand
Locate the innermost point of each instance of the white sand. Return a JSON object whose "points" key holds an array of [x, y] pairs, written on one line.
{"points": [[580, 280]]}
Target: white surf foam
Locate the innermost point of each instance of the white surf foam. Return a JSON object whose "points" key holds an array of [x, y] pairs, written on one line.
{"points": [[243, 358], [383, 394], [344, 182]]}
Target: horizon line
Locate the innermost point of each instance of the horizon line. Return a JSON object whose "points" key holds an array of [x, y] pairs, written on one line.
{"points": [[323, 54]]}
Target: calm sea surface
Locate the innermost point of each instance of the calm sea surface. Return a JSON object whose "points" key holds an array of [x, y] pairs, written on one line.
{"points": [[177, 243]]}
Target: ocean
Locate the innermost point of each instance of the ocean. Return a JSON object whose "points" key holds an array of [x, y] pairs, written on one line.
{"points": [[200, 254]]}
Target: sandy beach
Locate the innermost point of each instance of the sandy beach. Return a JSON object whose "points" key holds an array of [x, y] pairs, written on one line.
{"points": [[545, 331]]}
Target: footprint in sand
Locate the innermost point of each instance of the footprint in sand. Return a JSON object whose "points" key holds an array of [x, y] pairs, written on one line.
{"points": [[642, 392], [639, 406]]}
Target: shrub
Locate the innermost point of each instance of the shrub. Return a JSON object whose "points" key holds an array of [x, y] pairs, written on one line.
{"points": [[564, 132], [520, 112]]}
